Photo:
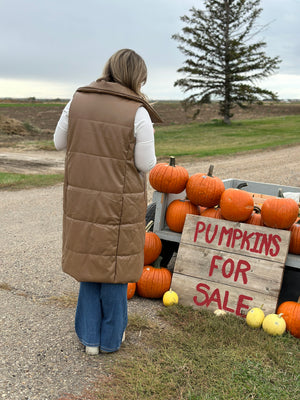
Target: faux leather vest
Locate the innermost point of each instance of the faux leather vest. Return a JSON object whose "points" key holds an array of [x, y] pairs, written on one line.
{"points": [[104, 194]]}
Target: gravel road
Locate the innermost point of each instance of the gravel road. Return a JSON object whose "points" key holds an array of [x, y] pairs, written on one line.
{"points": [[40, 354]]}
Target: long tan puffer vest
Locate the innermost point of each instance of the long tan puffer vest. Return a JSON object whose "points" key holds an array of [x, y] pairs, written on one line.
{"points": [[104, 194]]}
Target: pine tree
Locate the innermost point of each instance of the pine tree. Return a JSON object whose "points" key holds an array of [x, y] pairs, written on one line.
{"points": [[224, 61]]}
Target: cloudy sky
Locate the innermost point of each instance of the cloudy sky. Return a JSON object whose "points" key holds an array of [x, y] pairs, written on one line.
{"points": [[50, 47]]}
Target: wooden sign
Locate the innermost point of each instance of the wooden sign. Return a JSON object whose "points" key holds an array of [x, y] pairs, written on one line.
{"points": [[229, 265]]}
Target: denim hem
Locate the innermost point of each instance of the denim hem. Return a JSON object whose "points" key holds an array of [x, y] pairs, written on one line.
{"points": [[107, 350], [88, 344]]}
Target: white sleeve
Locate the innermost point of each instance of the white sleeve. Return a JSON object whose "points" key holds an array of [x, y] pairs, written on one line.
{"points": [[61, 130], [144, 152]]}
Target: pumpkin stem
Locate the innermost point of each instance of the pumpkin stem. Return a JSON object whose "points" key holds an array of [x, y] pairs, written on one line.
{"points": [[157, 262], [241, 185], [280, 193], [172, 161], [280, 315], [256, 209], [210, 170], [299, 299], [149, 226]]}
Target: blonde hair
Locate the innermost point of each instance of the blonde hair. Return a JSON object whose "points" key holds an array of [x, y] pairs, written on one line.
{"points": [[127, 68]]}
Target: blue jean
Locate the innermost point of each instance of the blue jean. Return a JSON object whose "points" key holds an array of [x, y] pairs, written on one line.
{"points": [[101, 314]]}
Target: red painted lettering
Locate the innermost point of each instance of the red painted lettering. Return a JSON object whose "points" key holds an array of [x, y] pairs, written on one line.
{"points": [[276, 239], [223, 232], [237, 235], [199, 289], [258, 236], [213, 265], [226, 301], [242, 267], [215, 297], [231, 268], [246, 240], [207, 239], [241, 305], [265, 244], [200, 226]]}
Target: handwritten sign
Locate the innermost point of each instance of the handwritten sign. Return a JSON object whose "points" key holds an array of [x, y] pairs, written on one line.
{"points": [[229, 265]]}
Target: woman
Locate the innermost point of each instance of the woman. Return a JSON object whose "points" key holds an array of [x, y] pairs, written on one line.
{"points": [[109, 139]]}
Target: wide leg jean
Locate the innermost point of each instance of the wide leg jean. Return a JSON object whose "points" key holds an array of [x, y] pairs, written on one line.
{"points": [[101, 314]]}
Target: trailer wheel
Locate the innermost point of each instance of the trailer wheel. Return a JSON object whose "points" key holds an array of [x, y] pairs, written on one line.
{"points": [[168, 248]]}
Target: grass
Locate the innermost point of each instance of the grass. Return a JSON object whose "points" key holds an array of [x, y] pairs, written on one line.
{"points": [[200, 356], [15, 181], [216, 138]]}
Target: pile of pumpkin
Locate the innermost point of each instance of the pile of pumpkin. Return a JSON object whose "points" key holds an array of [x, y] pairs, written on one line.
{"points": [[155, 281], [287, 318], [206, 195]]}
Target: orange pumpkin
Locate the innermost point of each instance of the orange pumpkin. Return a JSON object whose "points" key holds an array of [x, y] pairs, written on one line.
{"points": [[131, 287], [279, 212], [290, 311], [168, 178], [212, 212], [295, 238], [255, 217], [154, 282], [176, 213], [236, 205], [205, 189], [152, 246]]}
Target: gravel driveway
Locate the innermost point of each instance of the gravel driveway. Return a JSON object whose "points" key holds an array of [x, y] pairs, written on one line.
{"points": [[41, 357]]}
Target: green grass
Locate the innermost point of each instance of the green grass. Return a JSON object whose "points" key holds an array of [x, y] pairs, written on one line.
{"points": [[216, 138], [27, 181], [200, 356]]}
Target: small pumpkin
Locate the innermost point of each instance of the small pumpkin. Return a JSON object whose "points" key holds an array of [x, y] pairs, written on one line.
{"points": [[274, 324], [279, 212], [212, 212], [170, 298], [255, 317], [205, 189], [131, 287], [176, 213], [294, 246], [152, 246], [220, 313], [154, 282], [236, 204], [290, 311], [255, 218], [168, 178]]}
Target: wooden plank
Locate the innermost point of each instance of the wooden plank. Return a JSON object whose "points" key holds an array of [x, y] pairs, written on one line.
{"points": [[258, 275], [218, 296], [236, 237]]}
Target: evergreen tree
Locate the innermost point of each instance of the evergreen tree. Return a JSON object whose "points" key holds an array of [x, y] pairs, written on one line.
{"points": [[224, 61]]}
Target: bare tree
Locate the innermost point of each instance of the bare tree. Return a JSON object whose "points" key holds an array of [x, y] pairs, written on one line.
{"points": [[224, 61]]}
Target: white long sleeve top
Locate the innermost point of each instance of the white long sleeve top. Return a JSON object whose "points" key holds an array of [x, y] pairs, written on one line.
{"points": [[144, 152]]}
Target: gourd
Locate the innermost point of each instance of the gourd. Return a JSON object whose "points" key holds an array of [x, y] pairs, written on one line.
{"points": [[279, 212], [236, 204], [294, 246], [176, 213], [291, 314], [168, 178], [212, 212], [255, 218], [274, 324], [170, 298], [255, 317], [152, 246], [205, 189], [131, 287], [154, 282]]}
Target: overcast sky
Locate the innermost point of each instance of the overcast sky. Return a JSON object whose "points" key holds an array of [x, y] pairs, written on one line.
{"points": [[50, 47]]}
